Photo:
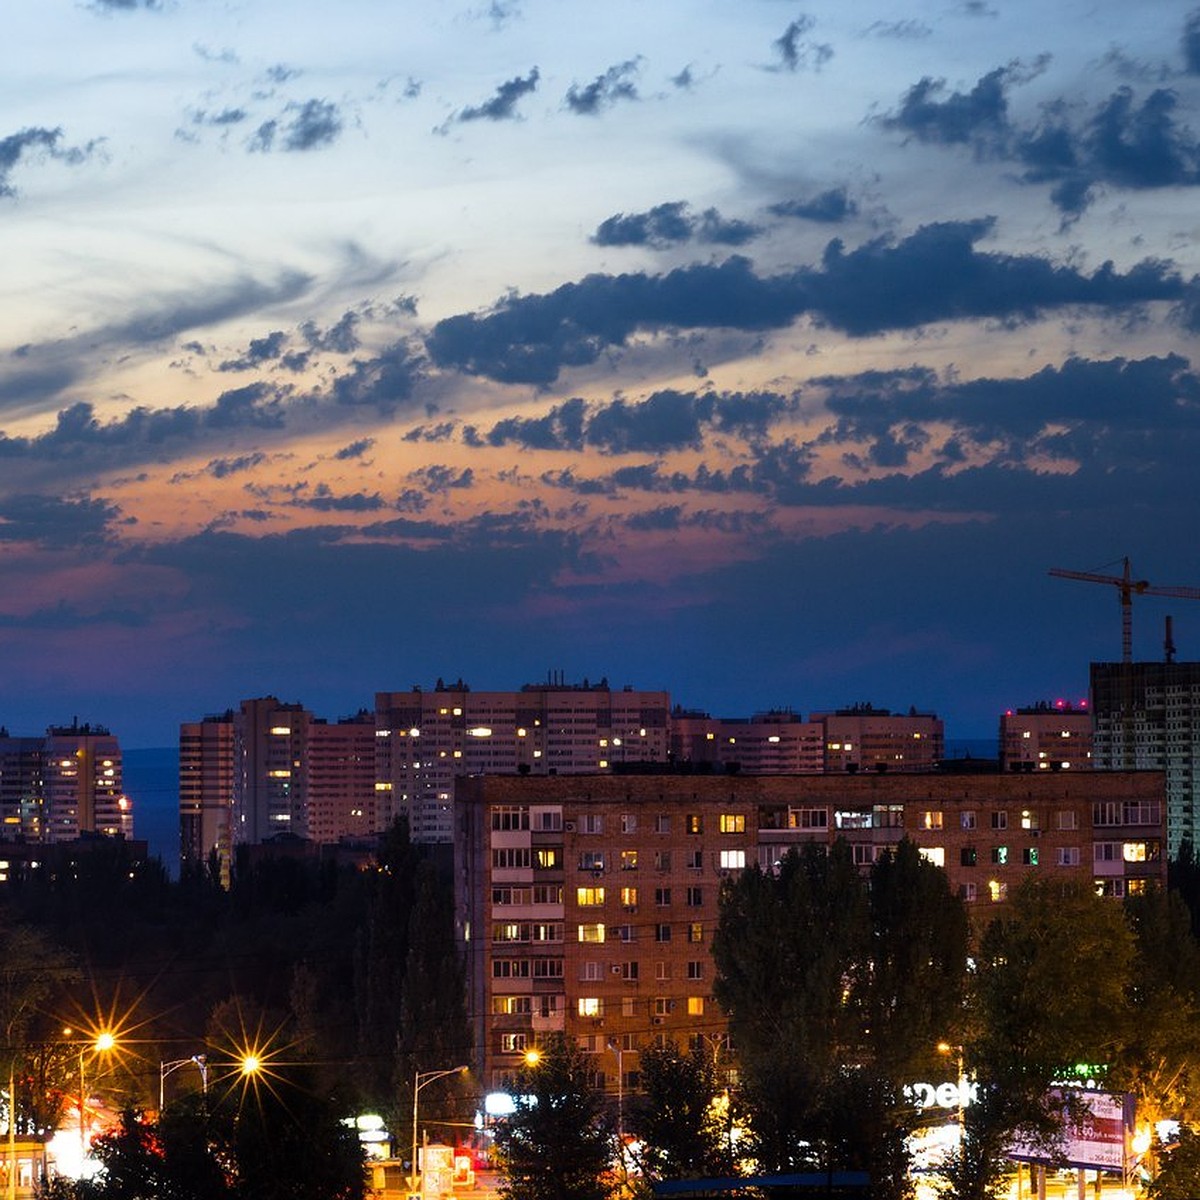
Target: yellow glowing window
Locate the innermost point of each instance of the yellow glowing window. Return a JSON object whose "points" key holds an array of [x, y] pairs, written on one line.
{"points": [[280, 730], [589, 897], [589, 1006], [931, 820], [1134, 852], [695, 1006], [732, 823], [591, 933], [629, 897]]}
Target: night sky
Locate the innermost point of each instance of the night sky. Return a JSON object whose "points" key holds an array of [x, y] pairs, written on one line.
{"points": [[767, 353]]}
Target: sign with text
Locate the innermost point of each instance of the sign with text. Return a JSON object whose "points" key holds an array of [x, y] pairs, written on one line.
{"points": [[1095, 1127]]}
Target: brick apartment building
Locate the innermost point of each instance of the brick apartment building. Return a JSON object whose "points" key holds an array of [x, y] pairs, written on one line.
{"points": [[1046, 737], [588, 903]]}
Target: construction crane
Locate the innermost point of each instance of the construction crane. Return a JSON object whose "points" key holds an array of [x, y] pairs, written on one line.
{"points": [[1127, 587]]}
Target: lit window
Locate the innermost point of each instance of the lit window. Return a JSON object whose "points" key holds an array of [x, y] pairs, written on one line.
{"points": [[931, 820], [934, 854], [589, 1006], [694, 823], [733, 860], [1000, 855], [629, 897], [696, 932], [695, 1006], [997, 891], [732, 823], [591, 933], [1134, 852], [629, 860], [589, 897]]}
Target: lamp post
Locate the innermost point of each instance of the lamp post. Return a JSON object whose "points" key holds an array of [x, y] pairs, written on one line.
{"points": [[420, 1080], [165, 1069], [102, 1043]]}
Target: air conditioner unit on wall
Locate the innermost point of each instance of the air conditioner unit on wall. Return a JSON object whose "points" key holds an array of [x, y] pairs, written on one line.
{"points": [[569, 826]]}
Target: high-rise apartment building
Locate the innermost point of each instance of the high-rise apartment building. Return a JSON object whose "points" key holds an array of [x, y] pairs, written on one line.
{"points": [[772, 743], [270, 768], [865, 738], [588, 904], [206, 771], [340, 795], [22, 787], [1046, 737], [1146, 716], [426, 740], [58, 787]]}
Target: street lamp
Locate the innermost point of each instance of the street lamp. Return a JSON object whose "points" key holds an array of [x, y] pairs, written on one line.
{"points": [[165, 1069], [420, 1080], [101, 1044]]}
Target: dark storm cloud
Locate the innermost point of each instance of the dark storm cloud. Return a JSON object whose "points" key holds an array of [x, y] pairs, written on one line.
{"points": [[936, 274], [617, 83], [1191, 42], [341, 338], [354, 449], [1107, 395], [77, 432], [829, 207], [32, 142], [670, 224], [795, 54], [385, 381], [439, 478], [303, 126], [56, 522], [929, 115], [1124, 141], [322, 499], [665, 420], [261, 350], [333, 580], [503, 105]]}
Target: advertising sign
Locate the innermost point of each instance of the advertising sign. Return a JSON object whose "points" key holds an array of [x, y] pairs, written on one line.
{"points": [[1094, 1131]]}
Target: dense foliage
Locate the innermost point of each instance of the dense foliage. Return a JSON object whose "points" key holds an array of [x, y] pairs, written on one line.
{"points": [[350, 976]]}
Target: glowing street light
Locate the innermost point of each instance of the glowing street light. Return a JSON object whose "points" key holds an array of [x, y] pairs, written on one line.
{"points": [[420, 1080], [102, 1043]]}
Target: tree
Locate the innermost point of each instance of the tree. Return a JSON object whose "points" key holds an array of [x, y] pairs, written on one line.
{"points": [[32, 970], [1160, 1062], [290, 1142], [679, 1117], [789, 949], [557, 1144], [1048, 991], [1179, 1177], [434, 1031]]}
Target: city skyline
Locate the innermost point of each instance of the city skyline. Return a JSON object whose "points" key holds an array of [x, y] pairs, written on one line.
{"points": [[770, 357]]}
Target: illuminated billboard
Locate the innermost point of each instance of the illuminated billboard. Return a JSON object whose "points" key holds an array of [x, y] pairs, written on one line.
{"points": [[1095, 1129]]}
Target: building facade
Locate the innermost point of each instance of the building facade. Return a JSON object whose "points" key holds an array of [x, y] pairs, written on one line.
{"points": [[588, 904], [425, 740], [1046, 737], [62, 786], [271, 768], [1146, 716]]}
